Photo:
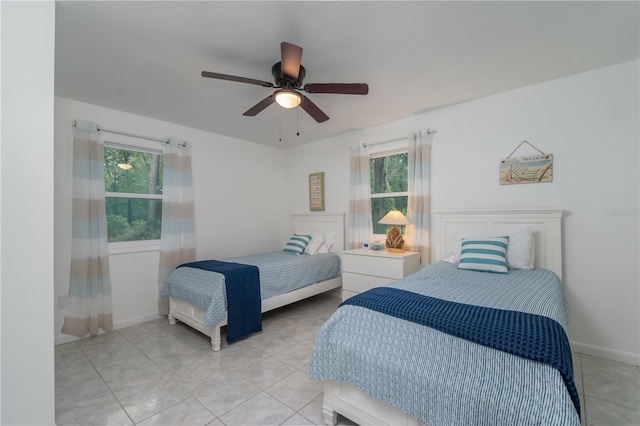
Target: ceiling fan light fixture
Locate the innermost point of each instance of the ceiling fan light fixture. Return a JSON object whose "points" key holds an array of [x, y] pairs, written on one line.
{"points": [[288, 98], [288, 75]]}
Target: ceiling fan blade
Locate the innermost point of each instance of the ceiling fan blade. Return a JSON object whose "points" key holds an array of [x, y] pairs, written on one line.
{"points": [[254, 110], [236, 78], [313, 110], [291, 58], [339, 88]]}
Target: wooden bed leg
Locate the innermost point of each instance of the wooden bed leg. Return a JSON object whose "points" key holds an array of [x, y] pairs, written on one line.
{"points": [[172, 320], [330, 416], [215, 339]]}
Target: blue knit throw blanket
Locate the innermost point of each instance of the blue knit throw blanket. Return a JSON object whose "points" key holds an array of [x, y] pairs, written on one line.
{"points": [[244, 305], [527, 335]]}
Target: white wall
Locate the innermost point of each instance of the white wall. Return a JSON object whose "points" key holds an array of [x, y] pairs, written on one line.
{"points": [[238, 197], [26, 189], [0, 217], [590, 123], [332, 157]]}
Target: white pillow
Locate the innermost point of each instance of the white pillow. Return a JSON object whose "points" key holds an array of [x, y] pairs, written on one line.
{"points": [[484, 255], [329, 240], [520, 251], [317, 239]]}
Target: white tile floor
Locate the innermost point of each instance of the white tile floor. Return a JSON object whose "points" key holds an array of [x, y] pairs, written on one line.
{"points": [[156, 374]]}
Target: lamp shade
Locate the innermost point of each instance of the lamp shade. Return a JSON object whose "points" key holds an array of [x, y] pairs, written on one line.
{"points": [[394, 217], [288, 98]]}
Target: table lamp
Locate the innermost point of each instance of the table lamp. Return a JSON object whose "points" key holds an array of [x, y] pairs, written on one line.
{"points": [[394, 240]]}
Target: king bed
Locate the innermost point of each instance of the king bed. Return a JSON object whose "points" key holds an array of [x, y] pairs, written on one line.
{"points": [[420, 350], [198, 297]]}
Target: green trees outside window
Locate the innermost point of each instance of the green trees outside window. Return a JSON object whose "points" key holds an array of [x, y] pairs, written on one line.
{"points": [[133, 194], [389, 187]]}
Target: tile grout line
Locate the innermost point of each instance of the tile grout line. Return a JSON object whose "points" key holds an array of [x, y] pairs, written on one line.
{"points": [[155, 364], [106, 384], [195, 345]]}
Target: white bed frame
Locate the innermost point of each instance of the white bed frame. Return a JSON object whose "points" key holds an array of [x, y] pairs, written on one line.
{"points": [[348, 400], [303, 222]]}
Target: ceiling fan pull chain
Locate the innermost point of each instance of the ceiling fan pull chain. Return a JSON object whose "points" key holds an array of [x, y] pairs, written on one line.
{"points": [[298, 121], [280, 126]]}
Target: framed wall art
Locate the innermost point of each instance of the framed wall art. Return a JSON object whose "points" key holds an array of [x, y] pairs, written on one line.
{"points": [[316, 192], [530, 169]]}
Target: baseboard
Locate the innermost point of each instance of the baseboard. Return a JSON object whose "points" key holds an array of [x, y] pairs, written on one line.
{"points": [[606, 353], [64, 338], [135, 321]]}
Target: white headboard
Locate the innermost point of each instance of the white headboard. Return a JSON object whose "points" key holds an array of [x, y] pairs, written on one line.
{"points": [[547, 231], [310, 222]]}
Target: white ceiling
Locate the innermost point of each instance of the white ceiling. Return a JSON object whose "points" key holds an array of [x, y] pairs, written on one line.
{"points": [[146, 57]]}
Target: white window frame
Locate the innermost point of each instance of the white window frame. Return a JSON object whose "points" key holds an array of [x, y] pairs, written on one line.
{"points": [[112, 140], [399, 147]]}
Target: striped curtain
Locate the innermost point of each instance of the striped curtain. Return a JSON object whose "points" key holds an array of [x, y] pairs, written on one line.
{"points": [[89, 301], [360, 224], [418, 234], [178, 238]]}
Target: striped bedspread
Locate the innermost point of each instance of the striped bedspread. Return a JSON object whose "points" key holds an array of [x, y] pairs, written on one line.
{"points": [[440, 379], [279, 273]]}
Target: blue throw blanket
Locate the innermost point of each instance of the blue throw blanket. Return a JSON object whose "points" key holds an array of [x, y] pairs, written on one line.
{"points": [[527, 335], [244, 306]]}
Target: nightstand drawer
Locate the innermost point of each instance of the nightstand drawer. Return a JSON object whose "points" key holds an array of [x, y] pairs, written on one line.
{"points": [[364, 269], [359, 283], [374, 265]]}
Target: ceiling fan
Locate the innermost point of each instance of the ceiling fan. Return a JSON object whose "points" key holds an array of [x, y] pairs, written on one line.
{"points": [[288, 75]]}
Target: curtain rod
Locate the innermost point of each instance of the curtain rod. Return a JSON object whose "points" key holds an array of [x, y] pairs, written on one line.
{"points": [[118, 132], [399, 138]]}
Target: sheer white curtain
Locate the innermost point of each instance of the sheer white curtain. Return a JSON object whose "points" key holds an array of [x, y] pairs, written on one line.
{"points": [[89, 301], [419, 185], [360, 225], [178, 238]]}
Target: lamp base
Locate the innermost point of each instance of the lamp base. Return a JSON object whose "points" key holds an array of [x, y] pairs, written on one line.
{"points": [[395, 250], [394, 242]]}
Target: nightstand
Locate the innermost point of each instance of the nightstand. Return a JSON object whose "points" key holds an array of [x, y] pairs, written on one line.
{"points": [[363, 269]]}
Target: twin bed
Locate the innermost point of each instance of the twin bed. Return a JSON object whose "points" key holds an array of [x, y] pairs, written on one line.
{"points": [[197, 297], [380, 368]]}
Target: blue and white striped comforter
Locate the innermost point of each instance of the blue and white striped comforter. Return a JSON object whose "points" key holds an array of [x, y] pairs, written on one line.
{"points": [[440, 379], [280, 273]]}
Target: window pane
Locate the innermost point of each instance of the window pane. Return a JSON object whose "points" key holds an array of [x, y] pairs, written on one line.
{"points": [[381, 206], [133, 219], [389, 174], [133, 172]]}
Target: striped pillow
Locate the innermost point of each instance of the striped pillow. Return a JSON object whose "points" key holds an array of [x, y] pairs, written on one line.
{"points": [[484, 255], [296, 244]]}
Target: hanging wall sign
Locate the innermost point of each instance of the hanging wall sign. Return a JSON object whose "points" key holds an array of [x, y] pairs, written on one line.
{"points": [[530, 169], [316, 192]]}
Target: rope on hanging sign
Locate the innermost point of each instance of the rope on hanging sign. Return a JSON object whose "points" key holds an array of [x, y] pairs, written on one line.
{"points": [[531, 145]]}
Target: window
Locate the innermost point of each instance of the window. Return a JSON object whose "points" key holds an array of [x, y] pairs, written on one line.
{"points": [[133, 193], [389, 187]]}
